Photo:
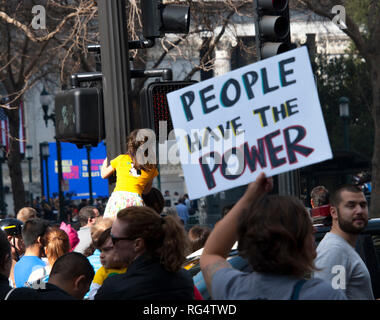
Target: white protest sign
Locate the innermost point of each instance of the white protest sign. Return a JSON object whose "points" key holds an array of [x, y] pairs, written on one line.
{"points": [[262, 117]]}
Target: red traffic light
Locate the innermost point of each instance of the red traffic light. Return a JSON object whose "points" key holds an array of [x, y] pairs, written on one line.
{"points": [[154, 104]]}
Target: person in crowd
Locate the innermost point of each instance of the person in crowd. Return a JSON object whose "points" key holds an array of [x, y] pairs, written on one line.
{"points": [[198, 236], [176, 198], [154, 249], [275, 234], [97, 229], [187, 201], [183, 211], [83, 203], [320, 207], [5, 264], [154, 199], [170, 211], [111, 263], [167, 198], [319, 196], [134, 175], [87, 218], [47, 210], [56, 244], [5, 268], [72, 233], [73, 215], [70, 279], [33, 233], [12, 228], [26, 213], [337, 261]]}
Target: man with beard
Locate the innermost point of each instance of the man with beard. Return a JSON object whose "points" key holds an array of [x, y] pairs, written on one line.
{"points": [[337, 260]]}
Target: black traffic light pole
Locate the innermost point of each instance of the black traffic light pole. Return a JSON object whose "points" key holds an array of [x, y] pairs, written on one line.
{"points": [[118, 116], [272, 34]]}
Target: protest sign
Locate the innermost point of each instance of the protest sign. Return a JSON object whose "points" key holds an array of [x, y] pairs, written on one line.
{"points": [[262, 117]]}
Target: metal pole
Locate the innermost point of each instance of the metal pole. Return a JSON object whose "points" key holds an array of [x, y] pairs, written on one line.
{"points": [[42, 172], [118, 111], [288, 182], [88, 148], [47, 180], [62, 212], [346, 140]]}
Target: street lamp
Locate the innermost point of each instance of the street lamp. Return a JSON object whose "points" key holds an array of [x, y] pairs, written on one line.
{"points": [[2, 202], [45, 155], [344, 113], [45, 100], [29, 157]]}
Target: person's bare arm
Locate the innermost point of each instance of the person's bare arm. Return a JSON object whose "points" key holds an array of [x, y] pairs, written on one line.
{"points": [[224, 235], [106, 170]]}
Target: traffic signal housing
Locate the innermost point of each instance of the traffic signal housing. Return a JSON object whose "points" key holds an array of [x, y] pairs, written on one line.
{"points": [[159, 18], [79, 116], [272, 27], [154, 103]]}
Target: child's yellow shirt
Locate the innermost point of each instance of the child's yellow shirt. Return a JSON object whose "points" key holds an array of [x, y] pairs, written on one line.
{"points": [[127, 177]]}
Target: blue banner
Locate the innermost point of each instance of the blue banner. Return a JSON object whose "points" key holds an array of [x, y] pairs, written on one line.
{"points": [[75, 184]]}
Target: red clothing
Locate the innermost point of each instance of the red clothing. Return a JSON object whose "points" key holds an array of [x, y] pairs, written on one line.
{"points": [[197, 294]]}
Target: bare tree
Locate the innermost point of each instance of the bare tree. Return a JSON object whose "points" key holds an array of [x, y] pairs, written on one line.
{"points": [[29, 55]]}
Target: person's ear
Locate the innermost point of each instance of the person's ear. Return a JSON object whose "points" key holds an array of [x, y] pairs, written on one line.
{"points": [[334, 212], [79, 282], [40, 241], [139, 244]]}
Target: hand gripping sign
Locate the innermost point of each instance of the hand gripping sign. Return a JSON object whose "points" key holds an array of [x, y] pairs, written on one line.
{"points": [[262, 117]]}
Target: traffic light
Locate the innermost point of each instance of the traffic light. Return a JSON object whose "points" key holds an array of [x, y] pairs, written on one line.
{"points": [[79, 116], [159, 18], [154, 104], [272, 27]]}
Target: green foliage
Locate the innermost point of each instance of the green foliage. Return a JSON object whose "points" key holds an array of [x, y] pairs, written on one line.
{"points": [[358, 11], [346, 75]]}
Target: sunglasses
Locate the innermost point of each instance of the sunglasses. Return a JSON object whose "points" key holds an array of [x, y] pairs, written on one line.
{"points": [[116, 239]]}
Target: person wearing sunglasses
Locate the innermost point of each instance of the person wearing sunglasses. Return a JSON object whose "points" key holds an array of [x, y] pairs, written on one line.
{"points": [[154, 249]]}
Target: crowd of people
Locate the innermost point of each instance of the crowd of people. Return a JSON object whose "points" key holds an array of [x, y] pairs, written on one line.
{"points": [[137, 246], [141, 253]]}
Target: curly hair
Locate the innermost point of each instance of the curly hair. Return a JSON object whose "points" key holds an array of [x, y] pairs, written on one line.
{"points": [[164, 237], [198, 236], [136, 139], [274, 235]]}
